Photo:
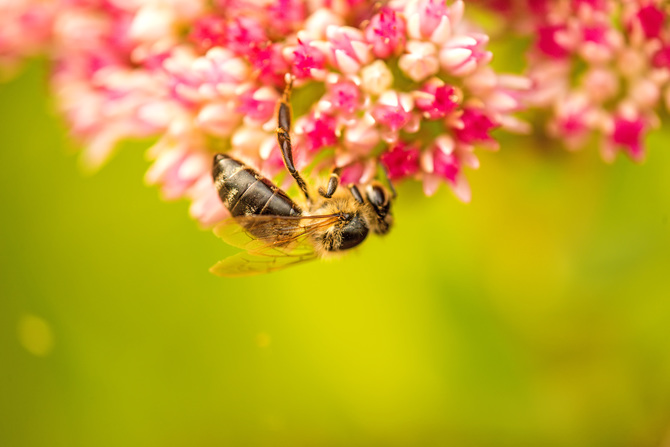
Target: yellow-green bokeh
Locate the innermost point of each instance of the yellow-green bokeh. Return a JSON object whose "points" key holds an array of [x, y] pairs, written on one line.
{"points": [[537, 315]]}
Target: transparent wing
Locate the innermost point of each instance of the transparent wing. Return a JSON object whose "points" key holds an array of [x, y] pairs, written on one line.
{"points": [[247, 263], [253, 233], [270, 242]]}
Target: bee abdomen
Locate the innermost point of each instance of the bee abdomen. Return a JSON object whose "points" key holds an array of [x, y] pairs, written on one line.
{"points": [[245, 192]]}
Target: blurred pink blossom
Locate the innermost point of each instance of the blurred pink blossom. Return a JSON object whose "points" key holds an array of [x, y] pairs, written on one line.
{"points": [[25, 30], [600, 67]]}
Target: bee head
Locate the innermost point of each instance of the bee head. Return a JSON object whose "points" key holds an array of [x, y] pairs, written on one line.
{"points": [[353, 232], [379, 199]]}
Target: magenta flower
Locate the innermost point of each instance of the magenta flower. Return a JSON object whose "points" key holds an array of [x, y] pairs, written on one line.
{"points": [[307, 61], [437, 100], [627, 135], [318, 132], [386, 33], [476, 126], [401, 161], [650, 18]]}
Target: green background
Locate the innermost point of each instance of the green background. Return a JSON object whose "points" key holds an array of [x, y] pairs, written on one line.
{"points": [[537, 315]]}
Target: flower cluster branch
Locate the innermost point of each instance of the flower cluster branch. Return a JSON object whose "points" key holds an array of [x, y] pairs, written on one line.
{"points": [[403, 83]]}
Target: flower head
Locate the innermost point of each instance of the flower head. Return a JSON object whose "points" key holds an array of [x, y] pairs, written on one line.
{"points": [[407, 85]]}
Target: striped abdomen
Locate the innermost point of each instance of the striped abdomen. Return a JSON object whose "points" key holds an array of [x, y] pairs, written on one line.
{"points": [[245, 192]]}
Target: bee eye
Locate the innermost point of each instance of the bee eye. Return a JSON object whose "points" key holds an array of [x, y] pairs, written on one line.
{"points": [[376, 196]]}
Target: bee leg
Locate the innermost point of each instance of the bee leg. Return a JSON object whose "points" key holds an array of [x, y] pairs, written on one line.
{"points": [[284, 139], [356, 193], [388, 180], [333, 183]]}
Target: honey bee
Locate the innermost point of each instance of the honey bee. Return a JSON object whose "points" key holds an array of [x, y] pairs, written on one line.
{"points": [[274, 230]]}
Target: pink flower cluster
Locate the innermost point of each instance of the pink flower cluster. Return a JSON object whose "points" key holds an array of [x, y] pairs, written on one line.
{"points": [[25, 28], [407, 84], [601, 67]]}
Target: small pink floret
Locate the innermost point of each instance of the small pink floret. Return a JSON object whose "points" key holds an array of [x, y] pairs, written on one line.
{"points": [[285, 15], [386, 33], [651, 19], [393, 117], [596, 34], [661, 58], [401, 161], [209, 31], [244, 34], [547, 43], [342, 40], [443, 101], [268, 61], [431, 13], [255, 109], [446, 165], [571, 125], [345, 96], [476, 126], [628, 134], [306, 59], [320, 132]]}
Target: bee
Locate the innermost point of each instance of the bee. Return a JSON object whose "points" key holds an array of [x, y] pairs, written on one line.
{"points": [[274, 230]]}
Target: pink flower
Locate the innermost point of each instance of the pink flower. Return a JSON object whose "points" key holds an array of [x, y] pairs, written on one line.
{"points": [[348, 48], [437, 101], [286, 16], [444, 162], [306, 60], [401, 161], [258, 105], [651, 19], [476, 128], [209, 31], [661, 58], [386, 33], [426, 17], [548, 41], [269, 64], [446, 165], [394, 114], [628, 134], [318, 132], [245, 35], [463, 55], [344, 95]]}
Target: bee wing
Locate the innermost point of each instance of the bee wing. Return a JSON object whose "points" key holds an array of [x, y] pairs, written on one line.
{"points": [[248, 263], [253, 233], [271, 242]]}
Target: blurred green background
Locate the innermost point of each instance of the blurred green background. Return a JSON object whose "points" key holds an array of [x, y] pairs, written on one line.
{"points": [[538, 315]]}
